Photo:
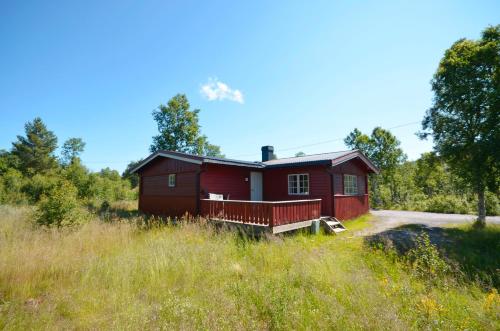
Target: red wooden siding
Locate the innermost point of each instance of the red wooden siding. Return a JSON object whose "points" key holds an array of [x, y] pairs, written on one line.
{"points": [[350, 206], [185, 185], [233, 182], [168, 206], [162, 165], [262, 212], [226, 180], [276, 185], [157, 198]]}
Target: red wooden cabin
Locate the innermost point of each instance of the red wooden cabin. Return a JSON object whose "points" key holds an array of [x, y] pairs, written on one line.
{"points": [[273, 192]]}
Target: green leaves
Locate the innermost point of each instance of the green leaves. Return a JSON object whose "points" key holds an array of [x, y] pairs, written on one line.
{"points": [[464, 120], [36, 151], [60, 207], [71, 149], [382, 148], [179, 129]]}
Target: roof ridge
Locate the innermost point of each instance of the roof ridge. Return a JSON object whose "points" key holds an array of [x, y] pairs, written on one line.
{"points": [[296, 157], [205, 156], [256, 162]]}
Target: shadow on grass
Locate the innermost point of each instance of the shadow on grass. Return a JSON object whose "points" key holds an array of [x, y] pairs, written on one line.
{"points": [[117, 214], [475, 251]]}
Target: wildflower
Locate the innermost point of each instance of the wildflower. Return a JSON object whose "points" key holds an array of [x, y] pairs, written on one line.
{"points": [[430, 306], [492, 300]]}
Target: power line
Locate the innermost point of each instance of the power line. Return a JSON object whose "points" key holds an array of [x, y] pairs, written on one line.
{"points": [[324, 141], [285, 149]]}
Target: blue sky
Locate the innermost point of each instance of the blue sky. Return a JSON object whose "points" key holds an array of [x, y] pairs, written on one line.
{"points": [[296, 73]]}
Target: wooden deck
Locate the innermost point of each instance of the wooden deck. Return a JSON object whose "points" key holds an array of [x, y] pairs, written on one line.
{"points": [[278, 216]]}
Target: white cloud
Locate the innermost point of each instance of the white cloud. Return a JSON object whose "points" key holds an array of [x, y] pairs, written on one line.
{"points": [[217, 90]]}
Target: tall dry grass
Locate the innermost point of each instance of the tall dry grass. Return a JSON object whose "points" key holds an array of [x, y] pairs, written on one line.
{"points": [[115, 276]]}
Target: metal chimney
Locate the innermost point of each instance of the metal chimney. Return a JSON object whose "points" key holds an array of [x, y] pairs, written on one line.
{"points": [[267, 153]]}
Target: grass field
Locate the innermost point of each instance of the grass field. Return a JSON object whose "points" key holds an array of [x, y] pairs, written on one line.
{"points": [[114, 275]]}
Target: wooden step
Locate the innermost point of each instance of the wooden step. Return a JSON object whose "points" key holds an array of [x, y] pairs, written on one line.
{"points": [[332, 225]]}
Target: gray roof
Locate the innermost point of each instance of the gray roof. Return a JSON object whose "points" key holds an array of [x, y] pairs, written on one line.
{"points": [[221, 160], [197, 159], [333, 159], [307, 159]]}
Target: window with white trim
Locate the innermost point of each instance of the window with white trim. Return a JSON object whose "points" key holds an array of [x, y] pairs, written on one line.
{"points": [[171, 180], [350, 185], [298, 184]]}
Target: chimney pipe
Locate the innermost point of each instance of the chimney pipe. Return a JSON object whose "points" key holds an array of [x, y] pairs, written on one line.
{"points": [[267, 153]]}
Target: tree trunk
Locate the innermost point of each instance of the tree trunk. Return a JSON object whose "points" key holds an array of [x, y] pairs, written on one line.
{"points": [[481, 208]]}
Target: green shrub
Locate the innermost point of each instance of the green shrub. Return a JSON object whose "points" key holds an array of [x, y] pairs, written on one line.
{"points": [[492, 204], [79, 175], [425, 260], [448, 204], [13, 182], [60, 207], [39, 185]]}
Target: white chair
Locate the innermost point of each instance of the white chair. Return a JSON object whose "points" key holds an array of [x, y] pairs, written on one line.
{"points": [[213, 196]]}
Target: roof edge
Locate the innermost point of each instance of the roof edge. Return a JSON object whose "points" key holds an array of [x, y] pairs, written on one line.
{"points": [[164, 154], [236, 163], [356, 153], [196, 159], [298, 164]]}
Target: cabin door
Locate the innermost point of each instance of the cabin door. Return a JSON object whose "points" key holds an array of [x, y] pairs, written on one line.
{"points": [[256, 186]]}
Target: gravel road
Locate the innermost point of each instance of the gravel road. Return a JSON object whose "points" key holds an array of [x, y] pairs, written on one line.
{"points": [[388, 219]]}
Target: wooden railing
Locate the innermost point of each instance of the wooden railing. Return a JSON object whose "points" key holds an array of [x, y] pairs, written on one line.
{"points": [[270, 213]]}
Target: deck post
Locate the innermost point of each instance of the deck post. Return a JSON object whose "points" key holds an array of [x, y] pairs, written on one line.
{"points": [[315, 227], [271, 216]]}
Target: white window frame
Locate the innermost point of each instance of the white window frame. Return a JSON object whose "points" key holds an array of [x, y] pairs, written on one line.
{"points": [[302, 188], [171, 180], [351, 185]]}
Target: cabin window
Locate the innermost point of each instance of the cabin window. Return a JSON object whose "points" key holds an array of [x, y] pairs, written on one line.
{"points": [[171, 180], [350, 185], [298, 184]]}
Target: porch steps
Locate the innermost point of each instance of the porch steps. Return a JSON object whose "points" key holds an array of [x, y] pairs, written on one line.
{"points": [[332, 225]]}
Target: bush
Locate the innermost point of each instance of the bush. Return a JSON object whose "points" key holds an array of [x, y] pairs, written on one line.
{"points": [[492, 204], [60, 207], [449, 204], [425, 260], [13, 182], [40, 185]]}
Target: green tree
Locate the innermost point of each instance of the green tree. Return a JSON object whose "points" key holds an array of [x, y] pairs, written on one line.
{"points": [[13, 182], [402, 188], [59, 207], [40, 184], [298, 154], [79, 176], [464, 118], [179, 129], [8, 161], [127, 174], [431, 175], [71, 150], [383, 149], [35, 151], [110, 174], [203, 147]]}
